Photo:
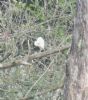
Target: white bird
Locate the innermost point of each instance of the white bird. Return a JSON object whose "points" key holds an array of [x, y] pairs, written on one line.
{"points": [[40, 43]]}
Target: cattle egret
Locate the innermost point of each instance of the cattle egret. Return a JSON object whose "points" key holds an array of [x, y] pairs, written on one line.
{"points": [[39, 43]]}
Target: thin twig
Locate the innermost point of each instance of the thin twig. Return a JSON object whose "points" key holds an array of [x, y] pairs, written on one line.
{"points": [[28, 92]]}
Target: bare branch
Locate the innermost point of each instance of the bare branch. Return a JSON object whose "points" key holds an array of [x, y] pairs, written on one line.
{"points": [[53, 50], [33, 56]]}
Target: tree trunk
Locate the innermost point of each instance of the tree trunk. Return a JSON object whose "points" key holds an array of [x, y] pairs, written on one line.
{"points": [[76, 83]]}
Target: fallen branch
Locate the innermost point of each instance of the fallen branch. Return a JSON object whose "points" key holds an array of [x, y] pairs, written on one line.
{"points": [[33, 56]]}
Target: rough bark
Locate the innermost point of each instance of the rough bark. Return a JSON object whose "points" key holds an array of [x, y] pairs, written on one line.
{"points": [[76, 83]]}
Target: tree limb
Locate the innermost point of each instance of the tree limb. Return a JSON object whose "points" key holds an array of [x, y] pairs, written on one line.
{"points": [[33, 56], [48, 52]]}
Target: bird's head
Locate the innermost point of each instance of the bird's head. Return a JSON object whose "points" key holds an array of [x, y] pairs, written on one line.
{"points": [[36, 43], [39, 43]]}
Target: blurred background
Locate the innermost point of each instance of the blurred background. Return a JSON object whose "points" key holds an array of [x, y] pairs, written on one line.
{"points": [[21, 23]]}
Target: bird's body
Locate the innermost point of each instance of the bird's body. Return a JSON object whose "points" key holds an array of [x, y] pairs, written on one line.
{"points": [[40, 43]]}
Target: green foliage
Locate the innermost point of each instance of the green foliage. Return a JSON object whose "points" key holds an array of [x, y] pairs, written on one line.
{"points": [[53, 20]]}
